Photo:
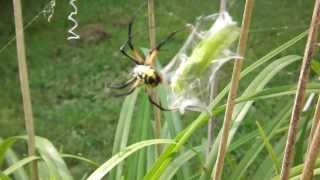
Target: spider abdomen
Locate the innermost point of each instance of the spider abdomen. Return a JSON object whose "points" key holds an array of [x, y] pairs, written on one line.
{"points": [[147, 74]]}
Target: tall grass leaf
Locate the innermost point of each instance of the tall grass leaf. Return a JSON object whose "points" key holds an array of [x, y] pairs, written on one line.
{"points": [[255, 86], [4, 146], [11, 159], [260, 62], [123, 129], [139, 131], [312, 87], [179, 162], [257, 147], [269, 148], [142, 154], [296, 171], [301, 143], [80, 158], [315, 66], [56, 165], [119, 157], [240, 111], [3, 176], [265, 169], [19, 164]]}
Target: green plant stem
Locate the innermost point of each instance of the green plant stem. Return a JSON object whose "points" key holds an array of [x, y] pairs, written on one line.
{"points": [[152, 40], [233, 90], [299, 98], [23, 74]]}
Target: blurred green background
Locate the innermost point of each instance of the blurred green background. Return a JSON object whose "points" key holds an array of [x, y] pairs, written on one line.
{"points": [[72, 106]]}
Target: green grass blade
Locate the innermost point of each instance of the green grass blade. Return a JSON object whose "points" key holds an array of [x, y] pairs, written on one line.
{"points": [[119, 157], [123, 129], [56, 166], [80, 158], [142, 154], [4, 146], [257, 85], [257, 147], [3, 176], [19, 164], [179, 162], [11, 158], [241, 109], [268, 57], [269, 148], [136, 164], [265, 170]]}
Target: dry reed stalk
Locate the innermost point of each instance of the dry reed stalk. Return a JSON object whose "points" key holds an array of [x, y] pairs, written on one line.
{"points": [[313, 149], [315, 122], [299, 98], [233, 90], [223, 5], [23, 74], [213, 92], [152, 40]]}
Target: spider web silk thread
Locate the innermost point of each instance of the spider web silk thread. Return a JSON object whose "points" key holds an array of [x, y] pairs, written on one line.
{"points": [[71, 18]]}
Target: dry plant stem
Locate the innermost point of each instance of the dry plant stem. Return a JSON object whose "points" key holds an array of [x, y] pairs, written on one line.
{"points": [[223, 4], [233, 90], [23, 74], [299, 98], [152, 39], [315, 122], [313, 147]]}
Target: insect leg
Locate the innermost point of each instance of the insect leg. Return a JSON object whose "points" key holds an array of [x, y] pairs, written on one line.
{"points": [[158, 105], [163, 42], [133, 87], [122, 50], [124, 85], [125, 93]]}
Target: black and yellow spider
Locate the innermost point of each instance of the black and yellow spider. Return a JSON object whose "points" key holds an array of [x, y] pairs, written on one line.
{"points": [[144, 72]]}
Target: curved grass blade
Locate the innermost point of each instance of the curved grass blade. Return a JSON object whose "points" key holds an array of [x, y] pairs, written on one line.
{"points": [[257, 85], [4, 146], [19, 164], [123, 129], [86, 160], [119, 157], [242, 109], [56, 166], [3, 176], [179, 162], [269, 147]]}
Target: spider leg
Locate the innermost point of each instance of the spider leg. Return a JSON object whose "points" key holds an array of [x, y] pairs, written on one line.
{"points": [[125, 93], [153, 52], [122, 50], [136, 58], [124, 85], [158, 105], [133, 87], [163, 42]]}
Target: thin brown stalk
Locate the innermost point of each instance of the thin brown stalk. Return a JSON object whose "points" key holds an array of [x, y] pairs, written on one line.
{"points": [[223, 5], [213, 91], [315, 122], [152, 40], [299, 98], [234, 88], [313, 150], [23, 74]]}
